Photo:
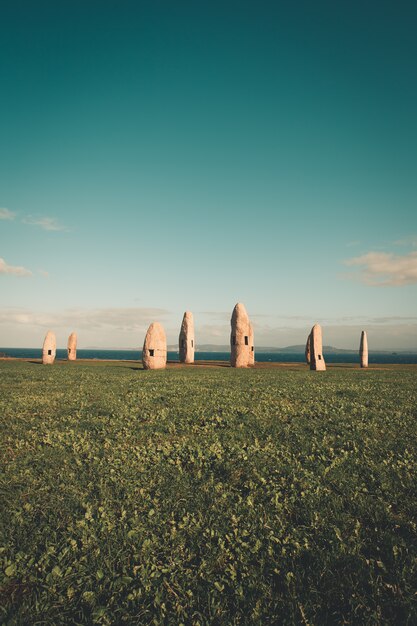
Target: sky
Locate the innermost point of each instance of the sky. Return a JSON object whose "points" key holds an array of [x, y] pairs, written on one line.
{"points": [[158, 157]]}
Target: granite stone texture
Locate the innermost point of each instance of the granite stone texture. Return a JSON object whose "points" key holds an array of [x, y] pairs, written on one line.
{"points": [[72, 347], [251, 345], [154, 353], [363, 349], [307, 350], [187, 339], [49, 348], [317, 362], [239, 337]]}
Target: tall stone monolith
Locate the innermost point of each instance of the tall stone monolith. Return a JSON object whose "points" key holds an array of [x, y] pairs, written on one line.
{"points": [[154, 353], [363, 349], [239, 337], [307, 351], [72, 347], [186, 339], [316, 349], [251, 345], [49, 348]]}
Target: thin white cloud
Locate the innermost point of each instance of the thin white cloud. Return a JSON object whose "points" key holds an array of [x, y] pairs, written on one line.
{"points": [[6, 214], [411, 241], [121, 319], [46, 223], [127, 326], [382, 269], [393, 319], [16, 270], [392, 335]]}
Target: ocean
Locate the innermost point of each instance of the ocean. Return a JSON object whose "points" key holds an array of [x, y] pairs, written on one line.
{"points": [[273, 357]]}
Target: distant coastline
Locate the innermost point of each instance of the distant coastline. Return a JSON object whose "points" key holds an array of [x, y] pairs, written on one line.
{"points": [[296, 349], [284, 355]]}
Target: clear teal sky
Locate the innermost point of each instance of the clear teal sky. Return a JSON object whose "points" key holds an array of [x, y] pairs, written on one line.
{"points": [[158, 157]]}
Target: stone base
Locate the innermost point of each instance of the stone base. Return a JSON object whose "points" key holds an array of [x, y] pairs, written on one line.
{"points": [[318, 366]]}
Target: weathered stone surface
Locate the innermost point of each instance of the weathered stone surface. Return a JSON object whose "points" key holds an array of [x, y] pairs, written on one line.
{"points": [[251, 345], [154, 353], [239, 337], [187, 339], [72, 347], [307, 352], [316, 349], [49, 348], [363, 349]]}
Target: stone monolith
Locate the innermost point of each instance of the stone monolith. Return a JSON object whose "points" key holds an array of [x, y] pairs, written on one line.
{"points": [[72, 347], [239, 337], [251, 345], [307, 351], [316, 349], [154, 353], [186, 339], [49, 348], [363, 349]]}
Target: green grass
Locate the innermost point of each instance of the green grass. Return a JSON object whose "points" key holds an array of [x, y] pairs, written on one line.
{"points": [[207, 495]]}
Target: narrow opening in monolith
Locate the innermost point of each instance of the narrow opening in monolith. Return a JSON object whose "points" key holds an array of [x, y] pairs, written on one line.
{"points": [[252, 348], [192, 343], [319, 357], [151, 352], [246, 340], [49, 352]]}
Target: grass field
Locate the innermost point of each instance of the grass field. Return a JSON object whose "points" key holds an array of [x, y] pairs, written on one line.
{"points": [[207, 495]]}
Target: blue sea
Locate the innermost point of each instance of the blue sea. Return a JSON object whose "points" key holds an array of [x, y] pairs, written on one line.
{"points": [[273, 357]]}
